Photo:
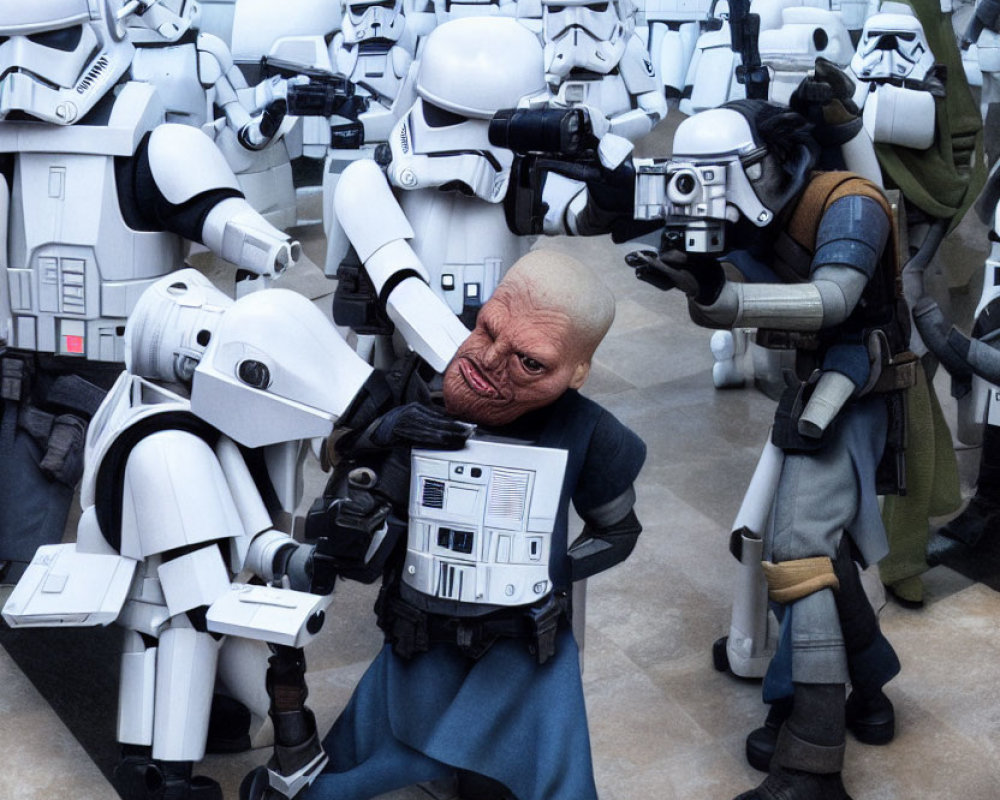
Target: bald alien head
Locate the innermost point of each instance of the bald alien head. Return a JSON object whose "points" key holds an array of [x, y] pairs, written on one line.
{"points": [[533, 340]]}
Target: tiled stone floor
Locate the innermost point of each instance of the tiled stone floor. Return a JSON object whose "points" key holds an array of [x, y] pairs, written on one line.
{"points": [[665, 725]]}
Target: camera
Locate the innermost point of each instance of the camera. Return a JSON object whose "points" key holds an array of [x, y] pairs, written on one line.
{"points": [[690, 199]]}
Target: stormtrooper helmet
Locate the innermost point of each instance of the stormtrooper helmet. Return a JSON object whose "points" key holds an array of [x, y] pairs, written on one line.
{"points": [[373, 20], [174, 320], [164, 21], [58, 58], [747, 159], [470, 69], [585, 35], [892, 46], [275, 370]]}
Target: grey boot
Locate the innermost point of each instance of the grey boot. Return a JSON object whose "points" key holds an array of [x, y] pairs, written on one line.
{"points": [[809, 753]]}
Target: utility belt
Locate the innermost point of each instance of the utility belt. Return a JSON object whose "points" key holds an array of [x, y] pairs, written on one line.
{"points": [[411, 630], [52, 410]]}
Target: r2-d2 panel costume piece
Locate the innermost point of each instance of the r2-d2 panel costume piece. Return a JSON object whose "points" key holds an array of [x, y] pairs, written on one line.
{"points": [[479, 657], [595, 60], [97, 195], [437, 247], [180, 494]]}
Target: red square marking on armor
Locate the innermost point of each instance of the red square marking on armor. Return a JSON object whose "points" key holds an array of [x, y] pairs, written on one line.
{"points": [[74, 344]]}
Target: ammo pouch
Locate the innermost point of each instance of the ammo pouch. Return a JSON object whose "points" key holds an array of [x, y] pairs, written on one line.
{"points": [[355, 301], [59, 433], [411, 630]]}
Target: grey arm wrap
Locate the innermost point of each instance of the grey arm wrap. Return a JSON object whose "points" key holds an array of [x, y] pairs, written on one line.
{"points": [[608, 538]]}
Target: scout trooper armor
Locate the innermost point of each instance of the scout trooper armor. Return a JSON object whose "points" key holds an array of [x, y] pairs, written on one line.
{"points": [[93, 209], [594, 59], [172, 512], [450, 183]]}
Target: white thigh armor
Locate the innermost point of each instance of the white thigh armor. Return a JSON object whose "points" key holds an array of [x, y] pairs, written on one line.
{"points": [[481, 522]]}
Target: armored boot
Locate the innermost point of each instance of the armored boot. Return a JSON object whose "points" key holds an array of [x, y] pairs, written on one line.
{"points": [[139, 777], [298, 756], [809, 753]]}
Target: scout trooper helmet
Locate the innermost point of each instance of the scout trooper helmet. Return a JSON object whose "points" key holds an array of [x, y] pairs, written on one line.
{"points": [[171, 324], [470, 69], [892, 45], [373, 20], [747, 159], [267, 368], [583, 34], [58, 58], [164, 21]]}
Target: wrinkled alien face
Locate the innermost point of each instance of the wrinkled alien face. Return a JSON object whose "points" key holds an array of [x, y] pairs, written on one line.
{"points": [[518, 358]]}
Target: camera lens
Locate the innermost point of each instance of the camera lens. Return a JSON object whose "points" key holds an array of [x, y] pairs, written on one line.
{"points": [[685, 183]]}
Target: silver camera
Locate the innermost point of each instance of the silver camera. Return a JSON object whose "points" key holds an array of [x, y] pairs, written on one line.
{"points": [[688, 197]]}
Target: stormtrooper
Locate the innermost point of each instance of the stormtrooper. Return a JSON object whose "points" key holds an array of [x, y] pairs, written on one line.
{"points": [[194, 73], [179, 496], [96, 198], [434, 249], [374, 49], [595, 60], [920, 113]]}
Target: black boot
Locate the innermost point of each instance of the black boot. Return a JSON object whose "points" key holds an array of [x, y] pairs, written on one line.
{"points": [[761, 742], [983, 512], [809, 752], [871, 661], [138, 777]]}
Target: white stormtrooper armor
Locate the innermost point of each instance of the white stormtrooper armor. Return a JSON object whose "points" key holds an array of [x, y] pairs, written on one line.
{"points": [[374, 49], [451, 182], [81, 245], [671, 29], [480, 523], [891, 61], [793, 34], [594, 59], [172, 511], [194, 73]]}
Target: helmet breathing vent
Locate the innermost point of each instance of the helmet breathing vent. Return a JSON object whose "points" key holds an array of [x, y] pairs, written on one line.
{"points": [[92, 75]]}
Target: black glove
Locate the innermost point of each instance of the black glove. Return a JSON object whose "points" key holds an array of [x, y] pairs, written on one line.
{"points": [[699, 276], [825, 99], [415, 425], [354, 533]]}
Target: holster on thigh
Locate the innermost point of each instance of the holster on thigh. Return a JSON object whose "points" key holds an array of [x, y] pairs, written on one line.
{"points": [[792, 580]]}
